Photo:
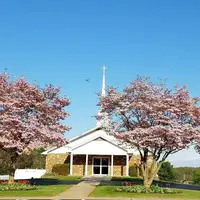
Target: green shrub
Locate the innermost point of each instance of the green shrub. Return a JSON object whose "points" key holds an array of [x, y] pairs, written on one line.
{"points": [[142, 189], [134, 171], [17, 187], [166, 172], [61, 169], [196, 177]]}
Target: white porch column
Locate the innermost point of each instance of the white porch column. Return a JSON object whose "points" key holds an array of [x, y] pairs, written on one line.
{"points": [[111, 165], [71, 164], [86, 164], [127, 165]]}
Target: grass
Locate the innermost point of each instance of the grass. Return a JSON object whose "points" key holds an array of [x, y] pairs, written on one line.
{"points": [[109, 191], [58, 177], [49, 191]]}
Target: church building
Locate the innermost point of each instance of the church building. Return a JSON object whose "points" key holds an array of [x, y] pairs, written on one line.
{"points": [[93, 153]]}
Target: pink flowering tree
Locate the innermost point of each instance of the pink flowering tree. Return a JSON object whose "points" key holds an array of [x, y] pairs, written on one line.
{"points": [[30, 117], [152, 119]]}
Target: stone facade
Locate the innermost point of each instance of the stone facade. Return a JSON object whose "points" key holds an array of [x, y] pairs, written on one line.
{"points": [[119, 166], [119, 163], [52, 159], [78, 165]]}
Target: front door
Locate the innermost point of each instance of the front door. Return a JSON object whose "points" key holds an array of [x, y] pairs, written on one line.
{"points": [[100, 166]]}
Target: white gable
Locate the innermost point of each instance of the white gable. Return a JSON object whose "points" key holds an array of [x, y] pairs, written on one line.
{"points": [[87, 143], [99, 147], [85, 138]]}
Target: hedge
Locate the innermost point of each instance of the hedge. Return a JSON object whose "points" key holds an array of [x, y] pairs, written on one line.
{"points": [[133, 171], [61, 169]]}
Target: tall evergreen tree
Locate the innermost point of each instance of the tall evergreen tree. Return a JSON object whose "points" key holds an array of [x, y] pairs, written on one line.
{"points": [[166, 172]]}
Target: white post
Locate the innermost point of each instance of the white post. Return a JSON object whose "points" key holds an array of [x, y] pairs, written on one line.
{"points": [[71, 164], [86, 164], [111, 165], [127, 165]]}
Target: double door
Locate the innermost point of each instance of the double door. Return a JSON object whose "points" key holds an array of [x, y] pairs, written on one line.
{"points": [[101, 165]]}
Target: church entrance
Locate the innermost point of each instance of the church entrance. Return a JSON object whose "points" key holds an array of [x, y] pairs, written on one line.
{"points": [[101, 165]]}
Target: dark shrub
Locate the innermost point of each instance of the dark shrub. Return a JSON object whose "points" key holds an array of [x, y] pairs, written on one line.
{"points": [[166, 172], [61, 169], [133, 171]]}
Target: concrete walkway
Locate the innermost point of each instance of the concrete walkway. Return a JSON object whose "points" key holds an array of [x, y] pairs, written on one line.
{"points": [[79, 191]]}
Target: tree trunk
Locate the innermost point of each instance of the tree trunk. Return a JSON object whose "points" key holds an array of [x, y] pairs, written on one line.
{"points": [[14, 157], [147, 182], [149, 171]]}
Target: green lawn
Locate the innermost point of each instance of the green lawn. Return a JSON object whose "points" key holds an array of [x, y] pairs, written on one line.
{"points": [[51, 176], [109, 191], [50, 190]]}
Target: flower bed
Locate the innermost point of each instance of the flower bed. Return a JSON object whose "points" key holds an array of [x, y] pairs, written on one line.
{"points": [[129, 187], [21, 185]]}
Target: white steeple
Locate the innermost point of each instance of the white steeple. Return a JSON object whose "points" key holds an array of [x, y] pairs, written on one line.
{"points": [[103, 94]]}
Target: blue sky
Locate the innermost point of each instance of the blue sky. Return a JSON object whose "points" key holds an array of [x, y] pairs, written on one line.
{"points": [[65, 42]]}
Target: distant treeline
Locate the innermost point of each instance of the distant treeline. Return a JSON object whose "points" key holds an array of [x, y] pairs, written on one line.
{"points": [[187, 175]]}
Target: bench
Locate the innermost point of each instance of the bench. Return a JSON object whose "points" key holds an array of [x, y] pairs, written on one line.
{"points": [[4, 177]]}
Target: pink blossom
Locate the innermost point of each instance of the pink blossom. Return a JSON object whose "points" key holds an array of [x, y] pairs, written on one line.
{"points": [[30, 116], [153, 119]]}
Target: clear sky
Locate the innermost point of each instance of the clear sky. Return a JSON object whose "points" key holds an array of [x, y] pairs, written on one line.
{"points": [[66, 42]]}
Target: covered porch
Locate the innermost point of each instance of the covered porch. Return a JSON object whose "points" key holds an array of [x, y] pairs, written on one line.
{"points": [[99, 157], [99, 165]]}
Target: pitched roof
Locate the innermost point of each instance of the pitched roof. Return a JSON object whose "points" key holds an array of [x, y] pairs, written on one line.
{"points": [[86, 138]]}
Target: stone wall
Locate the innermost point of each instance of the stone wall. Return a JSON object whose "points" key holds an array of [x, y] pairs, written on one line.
{"points": [[119, 166], [78, 165], [119, 163], [52, 159], [90, 165]]}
